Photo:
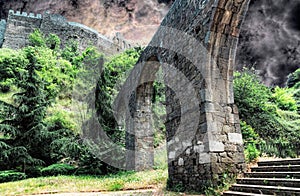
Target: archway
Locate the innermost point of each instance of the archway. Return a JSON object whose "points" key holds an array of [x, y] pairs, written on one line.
{"points": [[196, 41]]}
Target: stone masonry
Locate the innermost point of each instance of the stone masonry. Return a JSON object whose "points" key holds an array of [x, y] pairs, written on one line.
{"points": [[2, 31], [195, 47], [14, 32]]}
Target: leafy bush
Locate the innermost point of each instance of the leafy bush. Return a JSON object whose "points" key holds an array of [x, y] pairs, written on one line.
{"points": [[61, 119], [11, 64], [249, 135], [251, 96], [58, 169], [33, 172], [293, 83], [251, 153], [271, 113], [251, 141], [160, 159], [294, 79], [10, 175], [284, 99], [279, 147], [37, 39]]}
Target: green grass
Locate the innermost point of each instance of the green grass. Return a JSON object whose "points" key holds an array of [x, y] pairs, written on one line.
{"points": [[160, 157], [60, 184]]}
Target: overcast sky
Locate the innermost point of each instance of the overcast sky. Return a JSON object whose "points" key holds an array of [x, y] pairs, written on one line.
{"points": [[270, 39]]}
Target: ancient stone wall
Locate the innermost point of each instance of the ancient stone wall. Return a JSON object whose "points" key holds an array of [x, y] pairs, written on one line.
{"points": [[14, 33], [2, 31], [18, 27], [195, 47]]}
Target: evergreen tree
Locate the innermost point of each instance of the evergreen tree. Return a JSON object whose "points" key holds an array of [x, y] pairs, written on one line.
{"points": [[30, 134], [22, 122]]}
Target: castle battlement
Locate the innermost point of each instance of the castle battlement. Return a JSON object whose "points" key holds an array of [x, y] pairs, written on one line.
{"points": [[15, 31], [119, 40], [24, 14]]}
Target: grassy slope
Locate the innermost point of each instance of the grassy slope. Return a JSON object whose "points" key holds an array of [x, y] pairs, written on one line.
{"points": [[120, 181]]}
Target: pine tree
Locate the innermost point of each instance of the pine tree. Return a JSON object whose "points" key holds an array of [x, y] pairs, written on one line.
{"points": [[22, 122]]}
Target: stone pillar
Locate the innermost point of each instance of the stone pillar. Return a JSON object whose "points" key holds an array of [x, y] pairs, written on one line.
{"points": [[139, 125], [197, 40], [139, 136]]}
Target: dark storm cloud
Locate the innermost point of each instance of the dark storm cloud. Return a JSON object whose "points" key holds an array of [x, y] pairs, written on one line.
{"points": [[270, 39]]}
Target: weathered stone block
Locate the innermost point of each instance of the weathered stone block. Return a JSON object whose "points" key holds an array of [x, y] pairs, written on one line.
{"points": [[235, 138], [231, 148], [215, 146]]}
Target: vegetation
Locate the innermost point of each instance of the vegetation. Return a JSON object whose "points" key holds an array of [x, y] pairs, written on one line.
{"points": [[112, 77], [58, 169], [114, 74], [112, 182], [270, 119], [9, 176], [251, 141], [34, 135], [293, 83], [39, 134], [225, 181]]}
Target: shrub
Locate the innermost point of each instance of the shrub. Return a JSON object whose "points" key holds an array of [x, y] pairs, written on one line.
{"points": [[249, 134], [251, 153], [58, 169], [33, 172], [251, 96], [61, 119], [11, 64], [272, 114], [284, 99], [36, 38], [10, 175], [293, 79], [251, 141]]}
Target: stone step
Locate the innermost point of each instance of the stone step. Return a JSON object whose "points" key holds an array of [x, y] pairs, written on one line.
{"points": [[236, 193], [270, 182], [287, 175], [258, 189], [280, 162], [282, 168]]}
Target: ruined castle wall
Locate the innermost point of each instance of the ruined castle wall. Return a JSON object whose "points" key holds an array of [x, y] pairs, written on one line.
{"points": [[19, 26], [2, 30], [85, 36]]}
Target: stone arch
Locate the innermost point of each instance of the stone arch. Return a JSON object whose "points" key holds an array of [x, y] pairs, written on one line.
{"points": [[196, 40]]}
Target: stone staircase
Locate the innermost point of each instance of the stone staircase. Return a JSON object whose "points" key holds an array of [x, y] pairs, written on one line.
{"points": [[280, 177]]}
